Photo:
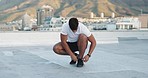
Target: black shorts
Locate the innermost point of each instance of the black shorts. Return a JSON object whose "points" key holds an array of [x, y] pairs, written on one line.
{"points": [[73, 46]]}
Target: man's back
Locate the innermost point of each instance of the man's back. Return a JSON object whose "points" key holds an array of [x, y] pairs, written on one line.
{"points": [[73, 36]]}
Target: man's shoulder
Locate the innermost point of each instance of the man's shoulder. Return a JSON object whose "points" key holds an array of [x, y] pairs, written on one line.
{"points": [[65, 27], [81, 25]]}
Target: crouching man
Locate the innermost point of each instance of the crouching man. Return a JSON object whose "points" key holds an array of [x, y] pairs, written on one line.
{"points": [[74, 37]]}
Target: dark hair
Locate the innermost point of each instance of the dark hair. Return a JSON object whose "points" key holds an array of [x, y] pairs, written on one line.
{"points": [[73, 23]]}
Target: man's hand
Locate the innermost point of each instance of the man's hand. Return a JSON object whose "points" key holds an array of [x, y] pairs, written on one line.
{"points": [[86, 58], [74, 58]]}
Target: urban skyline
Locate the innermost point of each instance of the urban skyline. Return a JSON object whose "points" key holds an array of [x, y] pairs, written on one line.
{"points": [[12, 10], [46, 21]]}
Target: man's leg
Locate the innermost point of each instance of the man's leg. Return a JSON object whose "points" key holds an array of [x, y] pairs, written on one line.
{"points": [[82, 45], [58, 49]]}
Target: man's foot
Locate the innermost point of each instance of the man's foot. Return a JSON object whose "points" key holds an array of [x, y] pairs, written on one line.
{"points": [[72, 61], [80, 63]]}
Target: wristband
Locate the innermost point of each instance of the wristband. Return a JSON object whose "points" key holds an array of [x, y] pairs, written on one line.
{"points": [[89, 55]]}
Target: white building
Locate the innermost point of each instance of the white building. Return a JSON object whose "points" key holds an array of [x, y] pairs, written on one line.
{"points": [[104, 26], [48, 10], [91, 15], [126, 23], [113, 15], [52, 24], [102, 15]]}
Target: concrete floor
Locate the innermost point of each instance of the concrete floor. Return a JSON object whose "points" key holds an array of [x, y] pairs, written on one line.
{"points": [[125, 58]]}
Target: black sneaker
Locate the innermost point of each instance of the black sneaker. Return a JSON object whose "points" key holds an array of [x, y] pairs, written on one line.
{"points": [[72, 61], [80, 63]]}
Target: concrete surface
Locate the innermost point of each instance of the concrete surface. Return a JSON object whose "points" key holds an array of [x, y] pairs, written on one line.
{"points": [[30, 55]]}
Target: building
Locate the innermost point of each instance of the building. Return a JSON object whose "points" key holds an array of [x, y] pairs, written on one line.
{"points": [[102, 15], [44, 12], [128, 23], [113, 15], [4, 27], [143, 18], [104, 26], [91, 15], [26, 22], [48, 11], [40, 17], [52, 24]]}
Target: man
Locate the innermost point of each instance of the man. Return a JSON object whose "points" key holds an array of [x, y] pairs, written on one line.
{"points": [[75, 37]]}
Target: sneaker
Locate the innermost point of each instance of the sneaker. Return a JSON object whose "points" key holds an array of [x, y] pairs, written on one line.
{"points": [[72, 61], [80, 63]]}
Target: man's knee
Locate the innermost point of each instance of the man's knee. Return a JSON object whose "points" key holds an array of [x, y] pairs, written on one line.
{"points": [[83, 37], [56, 49]]}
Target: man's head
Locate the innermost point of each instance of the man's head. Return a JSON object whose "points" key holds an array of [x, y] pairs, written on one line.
{"points": [[73, 23]]}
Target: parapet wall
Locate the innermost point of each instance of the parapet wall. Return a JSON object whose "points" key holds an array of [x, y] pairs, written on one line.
{"points": [[50, 38]]}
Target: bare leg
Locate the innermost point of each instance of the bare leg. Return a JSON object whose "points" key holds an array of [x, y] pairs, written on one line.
{"points": [[58, 49], [82, 45]]}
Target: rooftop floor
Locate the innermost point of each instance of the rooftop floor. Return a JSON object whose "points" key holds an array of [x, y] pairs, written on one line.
{"points": [[125, 58]]}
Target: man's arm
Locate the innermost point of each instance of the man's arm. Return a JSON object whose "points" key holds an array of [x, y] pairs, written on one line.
{"points": [[93, 44], [66, 47], [92, 40]]}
